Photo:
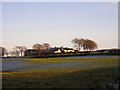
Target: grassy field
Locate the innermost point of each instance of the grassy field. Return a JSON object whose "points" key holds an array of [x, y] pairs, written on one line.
{"points": [[103, 73]]}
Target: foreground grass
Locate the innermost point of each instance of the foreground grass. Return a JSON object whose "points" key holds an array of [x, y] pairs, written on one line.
{"points": [[95, 78], [104, 74]]}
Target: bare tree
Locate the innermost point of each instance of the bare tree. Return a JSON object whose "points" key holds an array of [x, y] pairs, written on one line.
{"points": [[46, 46], [6, 53], [89, 45], [42, 48], [86, 44], [78, 43], [13, 53], [38, 46], [20, 49], [17, 52], [2, 51]]}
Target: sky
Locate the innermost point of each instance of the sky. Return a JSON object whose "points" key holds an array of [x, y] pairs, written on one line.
{"points": [[57, 23]]}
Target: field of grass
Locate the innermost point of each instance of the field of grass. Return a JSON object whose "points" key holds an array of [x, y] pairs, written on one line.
{"points": [[103, 73]]}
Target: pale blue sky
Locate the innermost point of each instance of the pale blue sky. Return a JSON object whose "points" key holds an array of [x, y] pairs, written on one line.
{"points": [[58, 23]]}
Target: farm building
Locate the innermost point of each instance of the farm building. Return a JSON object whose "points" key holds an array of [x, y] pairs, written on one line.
{"points": [[34, 52], [31, 52]]}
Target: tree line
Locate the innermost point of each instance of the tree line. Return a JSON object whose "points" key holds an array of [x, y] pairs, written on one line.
{"points": [[79, 43], [16, 51], [19, 50]]}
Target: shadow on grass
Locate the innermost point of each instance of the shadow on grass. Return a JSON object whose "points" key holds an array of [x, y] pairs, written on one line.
{"points": [[94, 78]]}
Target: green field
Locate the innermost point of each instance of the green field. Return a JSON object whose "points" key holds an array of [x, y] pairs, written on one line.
{"points": [[92, 73]]}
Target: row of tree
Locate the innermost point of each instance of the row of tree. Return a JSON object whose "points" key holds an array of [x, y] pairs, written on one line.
{"points": [[19, 50], [79, 43]]}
